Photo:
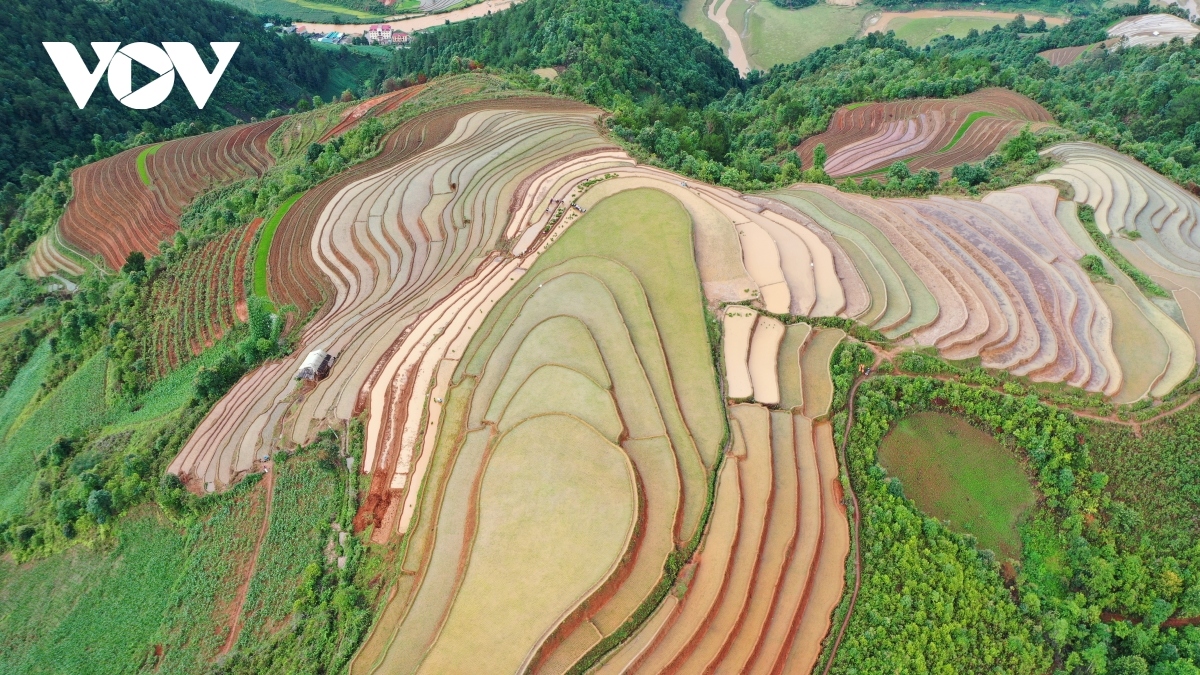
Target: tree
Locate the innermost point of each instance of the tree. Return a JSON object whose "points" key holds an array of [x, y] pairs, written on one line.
{"points": [[819, 156], [99, 505], [134, 262]]}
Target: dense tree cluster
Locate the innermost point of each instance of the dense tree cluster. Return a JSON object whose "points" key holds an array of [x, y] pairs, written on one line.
{"points": [[612, 50], [1089, 594], [41, 121], [1139, 101]]}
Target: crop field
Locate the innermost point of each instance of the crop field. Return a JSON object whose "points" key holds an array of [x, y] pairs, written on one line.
{"points": [[161, 597], [1127, 198], [1150, 30], [295, 277], [375, 289], [200, 300], [992, 297], [567, 314], [262, 251], [962, 475], [921, 31], [309, 10], [1065, 56], [772, 565], [777, 35], [925, 133], [47, 259], [132, 201], [24, 388], [77, 403]]}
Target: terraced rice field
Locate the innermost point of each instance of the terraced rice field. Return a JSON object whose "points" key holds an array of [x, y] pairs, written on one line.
{"points": [[1065, 56], [1130, 197], [604, 333], [772, 565], [1151, 30], [925, 133], [444, 213], [48, 259], [113, 212], [196, 303], [1156, 352], [1001, 275], [372, 107]]}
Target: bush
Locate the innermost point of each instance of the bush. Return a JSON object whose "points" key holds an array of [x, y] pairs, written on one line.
{"points": [[971, 174]]}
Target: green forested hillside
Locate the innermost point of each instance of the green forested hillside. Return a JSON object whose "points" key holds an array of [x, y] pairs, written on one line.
{"points": [[612, 50], [40, 120], [1143, 102]]}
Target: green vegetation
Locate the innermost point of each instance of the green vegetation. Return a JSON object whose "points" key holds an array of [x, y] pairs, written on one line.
{"points": [[614, 51], [26, 385], [270, 71], [141, 162], [90, 611], [153, 596], [76, 405], [1087, 216], [920, 32], [263, 250], [959, 474], [962, 130], [785, 34], [1094, 266], [1087, 547], [331, 11]]}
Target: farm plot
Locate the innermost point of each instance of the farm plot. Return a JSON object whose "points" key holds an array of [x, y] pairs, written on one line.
{"points": [[1151, 221], [389, 256], [47, 260], [1155, 352], [925, 133], [772, 566], [1065, 56], [293, 275], [113, 212], [1151, 30], [1007, 286], [199, 301], [614, 309]]}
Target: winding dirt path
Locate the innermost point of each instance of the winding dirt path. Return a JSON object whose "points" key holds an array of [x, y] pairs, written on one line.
{"points": [[856, 523], [244, 587], [718, 12]]}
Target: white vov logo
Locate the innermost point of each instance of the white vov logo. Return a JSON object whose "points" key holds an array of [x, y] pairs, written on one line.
{"points": [[178, 57]]}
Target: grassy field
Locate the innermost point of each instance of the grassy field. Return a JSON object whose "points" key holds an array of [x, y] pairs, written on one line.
{"points": [[141, 162], [960, 474], [307, 499], [695, 14], [77, 403], [918, 32], [157, 585], [780, 35], [263, 251], [313, 10], [26, 385]]}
